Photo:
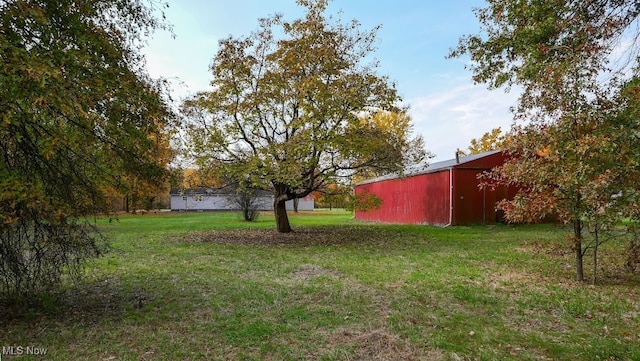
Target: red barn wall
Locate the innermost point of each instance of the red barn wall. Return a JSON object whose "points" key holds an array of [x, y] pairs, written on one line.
{"points": [[419, 199], [424, 198], [471, 203]]}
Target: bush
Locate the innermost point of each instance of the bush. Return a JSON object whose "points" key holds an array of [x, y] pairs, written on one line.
{"points": [[246, 199], [250, 215]]}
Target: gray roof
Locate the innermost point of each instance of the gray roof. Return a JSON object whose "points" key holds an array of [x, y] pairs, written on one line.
{"points": [[212, 191], [431, 167]]}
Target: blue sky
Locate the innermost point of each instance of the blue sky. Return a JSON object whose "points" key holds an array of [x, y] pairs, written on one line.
{"points": [[416, 35]]}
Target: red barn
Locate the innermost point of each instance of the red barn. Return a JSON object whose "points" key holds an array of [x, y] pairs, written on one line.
{"points": [[445, 193]]}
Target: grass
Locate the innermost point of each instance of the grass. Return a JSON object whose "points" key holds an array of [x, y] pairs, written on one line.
{"points": [[204, 286]]}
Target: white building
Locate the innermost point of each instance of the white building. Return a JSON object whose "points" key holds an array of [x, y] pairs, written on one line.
{"points": [[210, 199]]}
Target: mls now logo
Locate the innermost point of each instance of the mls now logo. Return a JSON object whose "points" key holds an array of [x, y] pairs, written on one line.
{"points": [[22, 350]]}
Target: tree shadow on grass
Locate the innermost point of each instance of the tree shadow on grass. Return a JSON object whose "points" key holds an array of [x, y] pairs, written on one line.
{"points": [[86, 302], [351, 235]]}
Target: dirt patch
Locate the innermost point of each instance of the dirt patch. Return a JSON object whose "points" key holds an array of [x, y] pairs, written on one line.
{"points": [[302, 237], [508, 278], [307, 271], [552, 249], [380, 345]]}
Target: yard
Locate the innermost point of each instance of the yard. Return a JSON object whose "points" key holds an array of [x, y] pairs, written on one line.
{"points": [[204, 286]]}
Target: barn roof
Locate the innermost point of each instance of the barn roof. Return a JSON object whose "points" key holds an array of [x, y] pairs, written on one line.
{"points": [[431, 167]]}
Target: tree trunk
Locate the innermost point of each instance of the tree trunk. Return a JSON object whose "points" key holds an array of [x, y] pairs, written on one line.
{"points": [[296, 201], [596, 239], [577, 244], [282, 219], [281, 195], [595, 262]]}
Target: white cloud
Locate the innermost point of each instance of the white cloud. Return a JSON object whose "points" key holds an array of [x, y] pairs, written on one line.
{"points": [[167, 58], [449, 120]]}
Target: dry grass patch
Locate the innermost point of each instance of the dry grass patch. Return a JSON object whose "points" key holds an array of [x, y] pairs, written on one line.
{"points": [[307, 271], [379, 345]]}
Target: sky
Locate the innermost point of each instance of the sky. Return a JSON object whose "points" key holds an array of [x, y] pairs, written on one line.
{"points": [[447, 109]]}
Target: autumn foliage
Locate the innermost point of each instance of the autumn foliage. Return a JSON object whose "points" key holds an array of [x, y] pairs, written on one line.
{"points": [[293, 109], [495, 139], [79, 119], [573, 149]]}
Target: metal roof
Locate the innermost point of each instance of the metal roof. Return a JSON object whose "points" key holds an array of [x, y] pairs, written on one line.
{"points": [[211, 191], [431, 167]]}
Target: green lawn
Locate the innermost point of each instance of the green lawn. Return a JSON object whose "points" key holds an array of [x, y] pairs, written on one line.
{"points": [[204, 286]]}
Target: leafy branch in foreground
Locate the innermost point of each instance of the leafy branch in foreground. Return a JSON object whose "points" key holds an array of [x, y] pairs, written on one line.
{"points": [[79, 118]]}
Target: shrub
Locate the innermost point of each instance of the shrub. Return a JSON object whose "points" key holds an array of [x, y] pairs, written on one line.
{"points": [[246, 199]]}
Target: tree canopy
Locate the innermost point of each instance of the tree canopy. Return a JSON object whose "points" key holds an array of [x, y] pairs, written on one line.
{"points": [[492, 140], [292, 108], [79, 118], [572, 149]]}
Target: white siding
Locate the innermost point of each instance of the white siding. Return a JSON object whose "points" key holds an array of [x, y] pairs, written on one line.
{"points": [[220, 202], [304, 204]]}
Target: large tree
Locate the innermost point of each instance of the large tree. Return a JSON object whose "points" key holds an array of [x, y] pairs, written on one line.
{"points": [[292, 108], [572, 147], [79, 118]]}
